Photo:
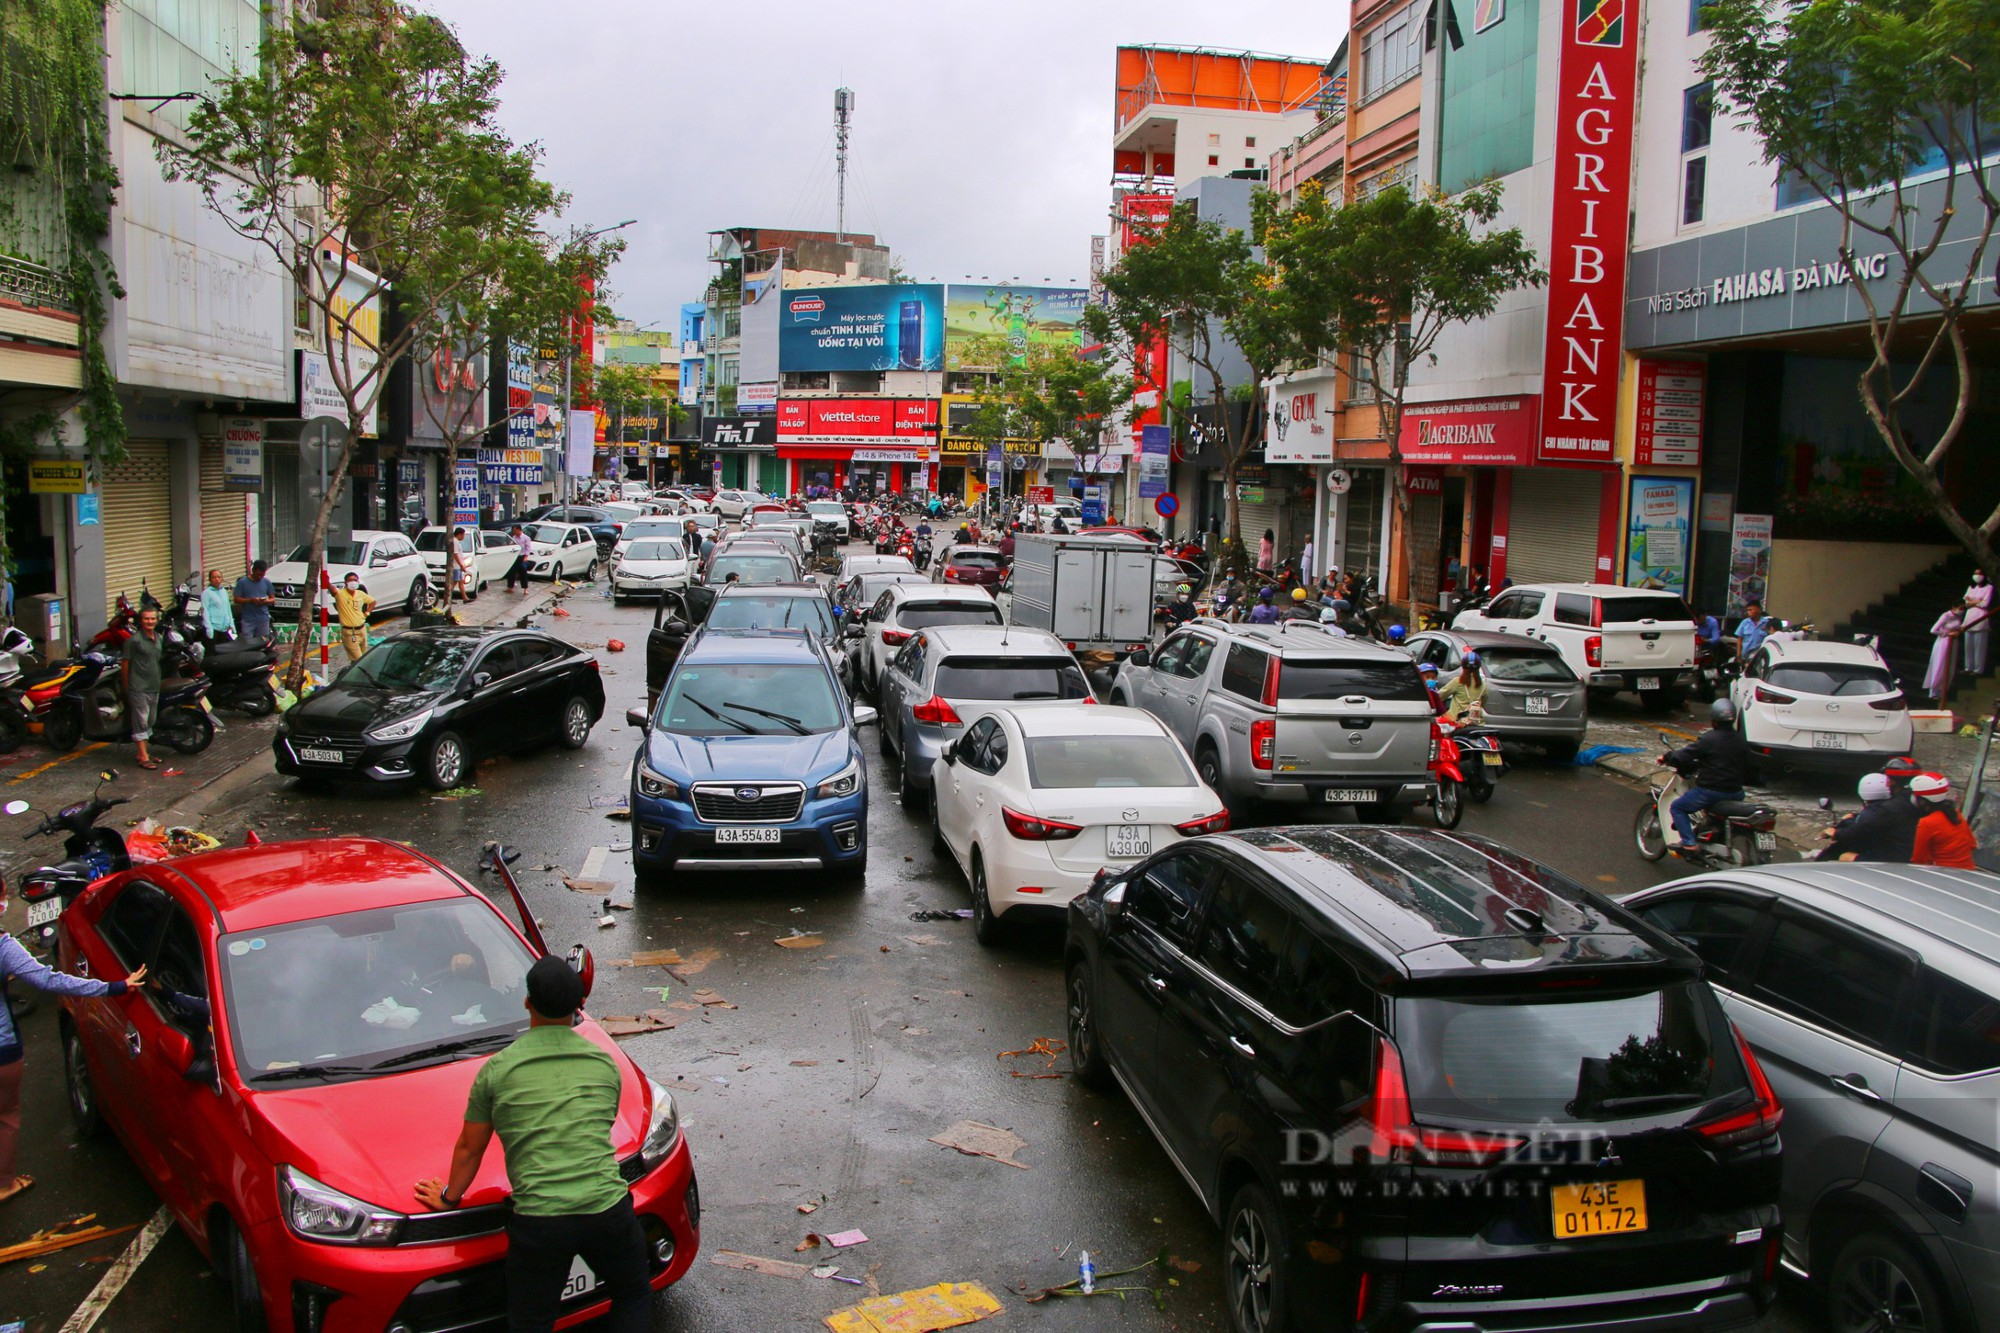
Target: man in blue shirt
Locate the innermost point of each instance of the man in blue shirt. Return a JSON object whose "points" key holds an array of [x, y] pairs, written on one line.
{"points": [[254, 598], [1752, 630]]}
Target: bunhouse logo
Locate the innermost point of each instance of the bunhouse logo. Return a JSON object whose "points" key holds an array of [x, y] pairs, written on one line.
{"points": [[807, 309], [1600, 22]]}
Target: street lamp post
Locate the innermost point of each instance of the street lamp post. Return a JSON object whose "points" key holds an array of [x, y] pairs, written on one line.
{"points": [[569, 351]]}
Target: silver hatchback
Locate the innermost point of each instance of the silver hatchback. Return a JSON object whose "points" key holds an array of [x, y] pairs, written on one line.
{"points": [[1871, 995], [1531, 694]]}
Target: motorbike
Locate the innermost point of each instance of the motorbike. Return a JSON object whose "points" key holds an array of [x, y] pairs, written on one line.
{"points": [[1715, 666], [238, 672], [826, 545], [1448, 772], [89, 854], [1729, 833], [91, 703], [17, 651], [123, 618], [1480, 757]]}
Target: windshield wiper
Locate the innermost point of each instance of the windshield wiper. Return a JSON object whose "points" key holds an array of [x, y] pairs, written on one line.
{"points": [[454, 1047], [306, 1071], [797, 726], [736, 722]]}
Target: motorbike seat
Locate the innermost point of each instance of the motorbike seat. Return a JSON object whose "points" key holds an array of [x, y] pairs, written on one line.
{"points": [[1740, 810]]}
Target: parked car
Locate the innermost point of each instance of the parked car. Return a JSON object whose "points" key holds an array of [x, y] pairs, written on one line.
{"points": [[1531, 694], [598, 518], [775, 606], [1818, 703], [1870, 993], [676, 498], [944, 672], [978, 566], [865, 562], [649, 566], [1292, 713], [900, 611], [853, 597], [652, 526], [752, 562], [1613, 638], [634, 490], [1531, 1109], [768, 517], [1032, 803], [830, 511], [427, 704], [387, 563], [783, 539], [561, 551], [1042, 517], [493, 555], [751, 762], [280, 1118], [736, 503]]}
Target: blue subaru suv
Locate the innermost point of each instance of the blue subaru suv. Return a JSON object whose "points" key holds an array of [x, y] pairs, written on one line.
{"points": [[750, 761]]}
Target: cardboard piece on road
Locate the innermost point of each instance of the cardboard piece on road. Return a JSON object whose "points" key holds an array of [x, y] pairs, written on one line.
{"points": [[649, 958], [799, 941], [977, 1140], [709, 997], [600, 887], [946, 1305], [751, 1263], [840, 1240], [653, 1020]]}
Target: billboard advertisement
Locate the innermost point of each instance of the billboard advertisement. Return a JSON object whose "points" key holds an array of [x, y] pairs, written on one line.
{"points": [[887, 326], [1659, 533], [855, 420], [986, 327]]}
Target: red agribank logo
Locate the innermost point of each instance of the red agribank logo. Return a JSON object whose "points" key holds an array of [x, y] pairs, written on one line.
{"points": [[1593, 179]]}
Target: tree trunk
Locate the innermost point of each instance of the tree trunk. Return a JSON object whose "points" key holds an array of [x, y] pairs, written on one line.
{"points": [[451, 551], [1390, 415], [309, 591]]}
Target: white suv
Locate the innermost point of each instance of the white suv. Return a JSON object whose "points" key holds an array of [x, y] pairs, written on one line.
{"points": [[1816, 704], [1614, 638]]}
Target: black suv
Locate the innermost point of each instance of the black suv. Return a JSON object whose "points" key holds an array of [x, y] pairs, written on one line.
{"points": [[1423, 1082]]}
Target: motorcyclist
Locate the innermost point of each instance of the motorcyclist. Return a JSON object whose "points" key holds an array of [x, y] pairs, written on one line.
{"points": [[1396, 636], [1301, 607], [1429, 671], [1182, 608], [1465, 693], [1884, 829], [1265, 613], [1722, 761]]}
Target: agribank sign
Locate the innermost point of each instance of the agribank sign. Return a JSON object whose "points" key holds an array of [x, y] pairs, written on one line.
{"points": [[1593, 176]]}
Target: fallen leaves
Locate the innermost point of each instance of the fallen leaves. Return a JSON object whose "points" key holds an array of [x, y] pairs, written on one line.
{"points": [[1052, 1047]]}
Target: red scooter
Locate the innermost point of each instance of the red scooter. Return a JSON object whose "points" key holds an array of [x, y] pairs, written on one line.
{"points": [[1448, 803]]}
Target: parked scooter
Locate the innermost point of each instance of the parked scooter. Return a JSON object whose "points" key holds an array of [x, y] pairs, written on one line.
{"points": [[91, 704], [89, 854], [17, 652], [1729, 833]]}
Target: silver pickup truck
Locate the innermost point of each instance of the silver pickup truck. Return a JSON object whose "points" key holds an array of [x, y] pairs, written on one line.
{"points": [[1292, 713]]}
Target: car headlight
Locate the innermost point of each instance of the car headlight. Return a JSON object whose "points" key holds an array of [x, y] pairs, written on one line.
{"points": [[844, 783], [320, 1212], [657, 785], [663, 1131], [402, 729]]}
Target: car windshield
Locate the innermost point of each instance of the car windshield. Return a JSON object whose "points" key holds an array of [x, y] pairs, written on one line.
{"points": [[654, 548], [924, 615], [830, 508], [622, 513], [750, 699], [1834, 678], [768, 518], [337, 553], [1011, 678], [650, 528], [1396, 682], [374, 990], [412, 660], [751, 568], [433, 539], [1663, 607], [1530, 1058], [808, 612], [1106, 761], [548, 534], [1512, 664], [978, 559]]}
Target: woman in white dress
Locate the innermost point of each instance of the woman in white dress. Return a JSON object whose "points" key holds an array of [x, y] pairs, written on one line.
{"points": [[1944, 653], [1978, 623]]}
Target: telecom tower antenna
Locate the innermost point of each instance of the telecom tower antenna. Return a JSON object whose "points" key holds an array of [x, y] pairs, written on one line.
{"points": [[843, 115]]}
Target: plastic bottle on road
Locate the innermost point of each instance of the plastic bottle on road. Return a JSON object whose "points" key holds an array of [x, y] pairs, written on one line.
{"points": [[1086, 1273]]}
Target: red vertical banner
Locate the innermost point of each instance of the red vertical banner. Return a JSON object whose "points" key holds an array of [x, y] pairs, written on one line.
{"points": [[1143, 217], [1587, 243]]}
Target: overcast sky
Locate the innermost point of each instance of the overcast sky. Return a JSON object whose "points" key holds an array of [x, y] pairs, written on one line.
{"points": [[981, 142]]}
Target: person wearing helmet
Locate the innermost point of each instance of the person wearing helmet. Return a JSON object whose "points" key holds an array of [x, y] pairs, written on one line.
{"points": [[1944, 836], [1429, 672], [1723, 763], [1300, 594], [1884, 829], [1465, 694], [1181, 609], [1264, 613], [1396, 636]]}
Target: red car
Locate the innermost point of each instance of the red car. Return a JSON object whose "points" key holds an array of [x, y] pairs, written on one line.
{"points": [[355, 988], [980, 566]]}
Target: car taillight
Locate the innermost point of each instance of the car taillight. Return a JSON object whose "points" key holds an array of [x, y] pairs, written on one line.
{"points": [[1760, 1121], [1030, 829], [1597, 613], [1263, 742], [1271, 681], [1437, 736], [896, 636], [936, 712], [1396, 1137], [1593, 650], [1215, 823], [1769, 696], [1895, 703]]}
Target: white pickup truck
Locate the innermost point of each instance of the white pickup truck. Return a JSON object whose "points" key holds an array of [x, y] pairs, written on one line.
{"points": [[1614, 638]]}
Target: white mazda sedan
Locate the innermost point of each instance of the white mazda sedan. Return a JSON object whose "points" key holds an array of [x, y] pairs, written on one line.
{"points": [[1032, 800]]}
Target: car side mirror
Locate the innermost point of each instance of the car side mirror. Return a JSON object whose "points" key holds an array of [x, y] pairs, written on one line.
{"points": [[1114, 901], [636, 717], [1826, 803], [866, 716], [586, 968], [1141, 658]]}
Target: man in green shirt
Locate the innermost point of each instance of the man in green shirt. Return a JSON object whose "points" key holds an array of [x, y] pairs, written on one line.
{"points": [[552, 1096], [140, 671]]}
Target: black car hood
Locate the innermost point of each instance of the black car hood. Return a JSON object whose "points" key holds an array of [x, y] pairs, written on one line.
{"points": [[343, 709]]}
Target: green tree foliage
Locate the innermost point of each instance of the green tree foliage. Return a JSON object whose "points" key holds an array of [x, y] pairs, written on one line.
{"points": [[1050, 392], [1860, 98], [364, 151]]}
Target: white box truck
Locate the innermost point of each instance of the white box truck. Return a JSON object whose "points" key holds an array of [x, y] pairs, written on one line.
{"points": [[1093, 593]]}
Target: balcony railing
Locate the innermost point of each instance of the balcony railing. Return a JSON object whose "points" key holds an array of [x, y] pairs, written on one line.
{"points": [[34, 285]]}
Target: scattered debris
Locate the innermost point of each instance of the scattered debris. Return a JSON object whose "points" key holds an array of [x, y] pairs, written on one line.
{"points": [[840, 1240], [593, 886], [751, 1263], [811, 1242], [620, 813], [1052, 1047], [607, 920], [458, 794], [946, 1305], [649, 958], [798, 939], [653, 1020], [804, 1064], [808, 1208], [819, 1270], [76, 1231], [977, 1140], [603, 802], [961, 914], [709, 997], [916, 1032], [1076, 1285], [614, 645], [922, 941]]}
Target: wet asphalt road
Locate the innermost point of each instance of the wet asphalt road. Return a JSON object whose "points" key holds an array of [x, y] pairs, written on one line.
{"points": [[819, 1086]]}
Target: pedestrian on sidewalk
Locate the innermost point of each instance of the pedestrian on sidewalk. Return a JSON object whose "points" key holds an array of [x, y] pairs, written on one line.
{"points": [[17, 964], [517, 573], [354, 604], [139, 675], [1978, 623], [218, 611], [254, 598], [1944, 837], [1944, 653], [461, 566], [1267, 548], [552, 1096]]}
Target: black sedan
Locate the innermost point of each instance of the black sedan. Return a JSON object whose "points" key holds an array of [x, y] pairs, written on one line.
{"points": [[429, 703]]}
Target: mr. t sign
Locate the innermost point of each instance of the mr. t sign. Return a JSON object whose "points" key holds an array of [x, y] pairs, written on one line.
{"points": [[1587, 245]]}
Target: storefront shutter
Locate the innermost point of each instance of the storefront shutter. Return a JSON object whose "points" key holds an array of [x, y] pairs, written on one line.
{"points": [[1552, 530], [1361, 523], [1256, 519], [223, 545], [1426, 529], [280, 528], [137, 514]]}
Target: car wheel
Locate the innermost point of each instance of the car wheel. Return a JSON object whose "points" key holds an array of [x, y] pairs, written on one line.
{"points": [[986, 927], [63, 727], [238, 1272], [1086, 1055], [911, 794], [655, 879], [1118, 699], [420, 596], [1448, 806], [852, 874], [1253, 1262], [590, 572], [576, 722], [1647, 833], [1208, 765], [187, 730], [83, 1112], [1878, 1284], [444, 762]]}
